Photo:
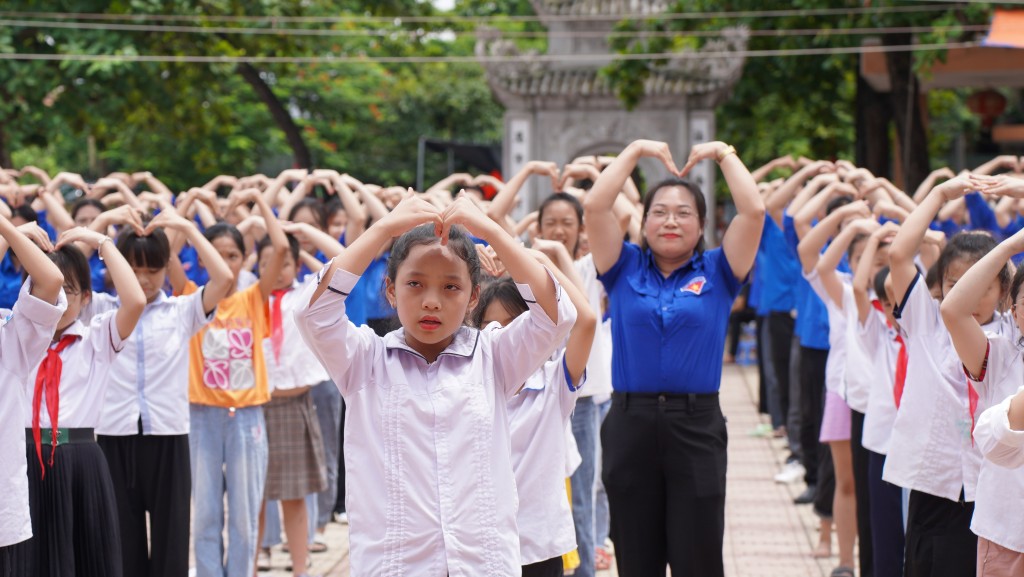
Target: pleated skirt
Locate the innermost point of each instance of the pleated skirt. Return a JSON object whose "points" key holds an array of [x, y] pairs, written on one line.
{"points": [[75, 530], [296, 465]]}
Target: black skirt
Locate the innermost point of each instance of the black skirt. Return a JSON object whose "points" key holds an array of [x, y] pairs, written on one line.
{"points": [[75, 529]]}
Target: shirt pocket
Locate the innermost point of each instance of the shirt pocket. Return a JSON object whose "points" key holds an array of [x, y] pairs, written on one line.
{"points": [[643, 304], [694, 306]]}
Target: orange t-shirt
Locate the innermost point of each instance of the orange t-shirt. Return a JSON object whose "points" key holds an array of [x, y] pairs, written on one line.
{"points": [[226, 365]]}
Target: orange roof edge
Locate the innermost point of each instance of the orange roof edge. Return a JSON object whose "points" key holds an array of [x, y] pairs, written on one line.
{"points": [[1007, 29]]}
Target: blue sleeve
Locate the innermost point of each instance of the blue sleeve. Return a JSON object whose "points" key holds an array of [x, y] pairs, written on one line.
{"points": [[723, 270], [982, 215], [1014, 227], [44, 224], [789, 233], [628, 258]]}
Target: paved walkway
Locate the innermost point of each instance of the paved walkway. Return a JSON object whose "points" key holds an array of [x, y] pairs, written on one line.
{"points": [[765, 534]]}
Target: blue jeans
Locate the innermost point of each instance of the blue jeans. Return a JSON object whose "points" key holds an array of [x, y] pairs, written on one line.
{"points": [[229, 456], [327, 400], [272, 522], [601, 526], [585, 429]]}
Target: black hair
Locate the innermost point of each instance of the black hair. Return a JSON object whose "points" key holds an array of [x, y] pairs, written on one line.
{"points": [[26, 212], [880, 283], [293, 247], [698, 198], [970, 247], [84, 202], [226, 229], [857, 239], [333, 207], [152, 251], [1015, 284], [77, 274], [315, 206], [572, 201], [837, 203], [931, 277], [423, 235], [503, 291]]}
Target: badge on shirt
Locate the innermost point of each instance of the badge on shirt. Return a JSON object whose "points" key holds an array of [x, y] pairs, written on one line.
{"points": [[695, 286]]}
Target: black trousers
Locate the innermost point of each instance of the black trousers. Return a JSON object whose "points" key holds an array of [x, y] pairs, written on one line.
{"points": [[886, 521], [6, 562], [861, 486], [812, 408], [826, 494], [74, 516], [550, 568], [664, 472], [780, 331], [939, 538], [152, 474], [339, 505]]}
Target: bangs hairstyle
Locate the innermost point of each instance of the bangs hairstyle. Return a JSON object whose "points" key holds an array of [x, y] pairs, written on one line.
{"points": [[77, 274], [152, 252], [569, 199], [226, 229], [293, 247], [698, 199], [423, 235], [969, 247], [316, 208], [503, 291], [879, 283], [837, 203], [84, 202]]}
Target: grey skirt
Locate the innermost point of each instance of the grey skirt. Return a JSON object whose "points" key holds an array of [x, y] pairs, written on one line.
{"points": [[296, 466]]}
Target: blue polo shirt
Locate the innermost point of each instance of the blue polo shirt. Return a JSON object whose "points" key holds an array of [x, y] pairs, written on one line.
{"points": [[10, 281], [811, 314], [669, 333], [377, 306], [779, 270]]}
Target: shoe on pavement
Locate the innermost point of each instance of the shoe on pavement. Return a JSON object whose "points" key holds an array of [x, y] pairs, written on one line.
{"points": [[792, 472], [263, 560], [807, 497], [341, 518]]}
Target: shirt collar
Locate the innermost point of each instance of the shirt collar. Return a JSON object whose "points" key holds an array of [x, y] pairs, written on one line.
{"points": [[74, 329], [463, 345], [696, 262]]}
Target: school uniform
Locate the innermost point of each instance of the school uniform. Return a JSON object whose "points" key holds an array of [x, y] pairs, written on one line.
{"points": [[435, 493], [884, 348], [998, 517], [74, 511], [25, 333], [538, 419], [664, 439], [931, 451], [143, 432]]}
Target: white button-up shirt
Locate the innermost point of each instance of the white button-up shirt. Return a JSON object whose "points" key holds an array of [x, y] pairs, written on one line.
{"points": [[297, 367], [149, 378], [84, 375], [878, 341], [835, 366], [540, 415], [24, 336], [430, 489], [599, 365], [999, 507], [931, 448]]}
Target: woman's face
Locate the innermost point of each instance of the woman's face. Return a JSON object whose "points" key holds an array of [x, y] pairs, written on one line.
{"points": [[228, 250], [86, 214], [337, 223], [561, 223], [672, 226]]}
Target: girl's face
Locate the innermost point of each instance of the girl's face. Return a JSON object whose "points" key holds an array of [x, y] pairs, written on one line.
{"points": [[881, 260], [289, 270], [86, 215], [228, 250], [77, 299], [496, 313], [151, 280], [337, 223], [855, 253], [672, 226], [561, 223], [1018, 310], [989, 301], [306, 216], [432, 292]]}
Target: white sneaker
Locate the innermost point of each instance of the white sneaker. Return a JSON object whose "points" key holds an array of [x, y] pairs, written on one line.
{"points": [[341, 518], [791, 473], [263, 560]]}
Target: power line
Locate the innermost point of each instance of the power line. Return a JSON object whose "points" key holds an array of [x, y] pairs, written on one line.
{"points": [[44, 25], [597, 58], [449, 19]]}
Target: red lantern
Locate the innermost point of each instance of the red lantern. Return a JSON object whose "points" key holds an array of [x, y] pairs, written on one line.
{"points": [[988, 104]]}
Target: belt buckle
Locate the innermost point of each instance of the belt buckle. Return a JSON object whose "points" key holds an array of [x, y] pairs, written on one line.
{"points": [[58, 436]]}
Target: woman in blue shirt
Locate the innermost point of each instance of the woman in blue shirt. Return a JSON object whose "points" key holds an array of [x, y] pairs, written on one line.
{"points": [[664, 438]]}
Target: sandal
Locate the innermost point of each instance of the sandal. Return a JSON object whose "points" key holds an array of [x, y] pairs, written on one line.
{"points": [[318, 547], [603, 560], [842, 571]]}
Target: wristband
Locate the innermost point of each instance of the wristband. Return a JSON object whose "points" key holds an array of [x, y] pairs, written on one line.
{"points": [[725, 152], [99, 246]]}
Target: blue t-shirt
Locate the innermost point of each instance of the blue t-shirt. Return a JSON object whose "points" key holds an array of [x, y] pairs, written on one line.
{"points": [[811, 314], [97, 273], [10, 282], [779, 270], [669, 333], [377, 306]]}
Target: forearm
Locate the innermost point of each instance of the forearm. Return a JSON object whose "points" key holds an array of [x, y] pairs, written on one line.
{"points": [[1016, 413], [904, 246], [47, 279], [602, 195], [218, 270], [524, 269], [834, 253], [809, 249], [502, 203], [323, 242]]}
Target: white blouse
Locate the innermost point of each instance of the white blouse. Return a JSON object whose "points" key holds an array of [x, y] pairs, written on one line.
{"points": [[999, 507], [998, 442], [24, 336], [540, 415], [84, 375], [599, 365], [878, 341], [430, 489], [297, 366], [835, 366]]}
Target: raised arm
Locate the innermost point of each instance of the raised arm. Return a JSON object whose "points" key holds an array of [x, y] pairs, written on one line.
{"points": [[506, 198], [929, 182], [781, 197], [960, 302], [330, 247], [222, 281], [581, 338], [829, 262], [809, 249], [278, 239], [602, 226], [47, 279], [744, 233], [862, 278]]}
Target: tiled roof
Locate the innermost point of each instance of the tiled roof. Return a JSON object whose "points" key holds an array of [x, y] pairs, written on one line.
{"points": [[599, 7]]}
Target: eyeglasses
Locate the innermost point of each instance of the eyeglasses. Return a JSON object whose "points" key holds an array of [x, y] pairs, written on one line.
{"points": [[662, 214]]}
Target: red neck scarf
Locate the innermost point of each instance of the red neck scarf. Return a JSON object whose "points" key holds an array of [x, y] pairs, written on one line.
{"points": [[48, 383], [277, 323]]}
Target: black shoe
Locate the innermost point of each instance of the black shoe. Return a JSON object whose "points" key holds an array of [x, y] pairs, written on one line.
{"points": [[807, 497]]}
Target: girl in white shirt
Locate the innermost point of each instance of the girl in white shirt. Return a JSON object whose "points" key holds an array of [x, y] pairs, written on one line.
{"points": [[931, 450], [539, 416], [994, 365], [24, 335], [74, 512], [434, 492]]}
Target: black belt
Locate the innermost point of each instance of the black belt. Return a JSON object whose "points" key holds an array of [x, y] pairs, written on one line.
{"points": [[689, 400], [62, 436]]}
